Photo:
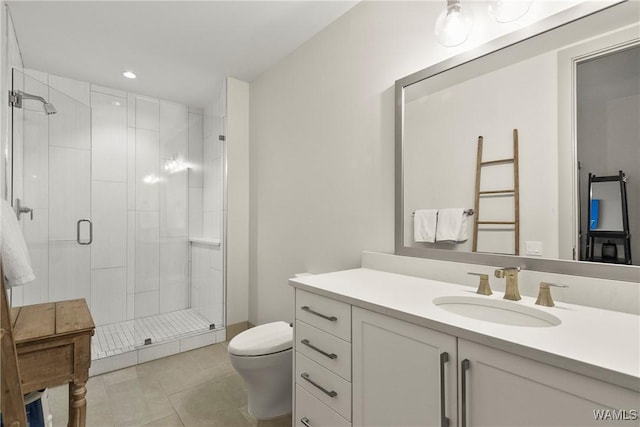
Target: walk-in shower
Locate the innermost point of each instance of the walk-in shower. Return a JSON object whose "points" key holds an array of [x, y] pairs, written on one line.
{"points": [[111, 223], [17, 96]]}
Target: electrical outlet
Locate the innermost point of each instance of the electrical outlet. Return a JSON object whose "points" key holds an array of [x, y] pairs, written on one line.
{"points": [[534, 248]]}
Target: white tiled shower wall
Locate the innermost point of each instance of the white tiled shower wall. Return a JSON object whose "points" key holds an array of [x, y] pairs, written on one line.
{"points": [[121, 164], [207, 254]]}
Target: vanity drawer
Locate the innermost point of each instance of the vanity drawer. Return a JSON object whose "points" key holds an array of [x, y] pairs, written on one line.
{"points": [[326, 386], [324, 313], [315, 413], [325, 349]]}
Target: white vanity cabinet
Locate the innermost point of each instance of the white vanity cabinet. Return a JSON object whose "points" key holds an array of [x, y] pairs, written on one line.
{"points": [[322, 364], [403, 374], [502, 389]]}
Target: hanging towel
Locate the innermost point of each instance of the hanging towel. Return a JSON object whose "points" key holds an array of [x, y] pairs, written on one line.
{"points": [[16, 265], [424, 225], [452, 226]]}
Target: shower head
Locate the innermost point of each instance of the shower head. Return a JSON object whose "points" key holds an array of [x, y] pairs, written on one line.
{"points": [[17, 96], [49, 108]]}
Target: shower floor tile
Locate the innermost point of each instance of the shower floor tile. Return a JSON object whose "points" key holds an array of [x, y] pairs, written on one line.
{"points": [[110, 340]]}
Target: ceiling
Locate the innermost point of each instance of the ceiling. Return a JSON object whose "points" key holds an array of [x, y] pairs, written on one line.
{"points": [[180, 50]]}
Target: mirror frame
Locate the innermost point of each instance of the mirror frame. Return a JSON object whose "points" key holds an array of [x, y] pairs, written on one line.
{"points": [[627, 273]]}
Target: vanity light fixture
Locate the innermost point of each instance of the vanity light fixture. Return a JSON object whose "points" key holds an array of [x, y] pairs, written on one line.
{"points": [[453, 24], [129, 74], [504, 11]]}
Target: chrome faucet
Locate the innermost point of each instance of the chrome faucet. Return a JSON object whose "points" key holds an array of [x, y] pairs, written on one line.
{"points": [[511, 275]]}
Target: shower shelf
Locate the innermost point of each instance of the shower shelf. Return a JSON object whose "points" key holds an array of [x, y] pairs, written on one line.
{"points": [[210, 242]]}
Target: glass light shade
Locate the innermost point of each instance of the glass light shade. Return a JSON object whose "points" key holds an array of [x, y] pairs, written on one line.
{"points": [[508, 10], [453, 24]]}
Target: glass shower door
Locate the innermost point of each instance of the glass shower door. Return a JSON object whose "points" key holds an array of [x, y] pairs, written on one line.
{"points": [[120, 187], [51, 146]]}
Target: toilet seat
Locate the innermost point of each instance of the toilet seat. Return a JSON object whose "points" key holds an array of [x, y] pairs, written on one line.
{"points": [[262, 340]]}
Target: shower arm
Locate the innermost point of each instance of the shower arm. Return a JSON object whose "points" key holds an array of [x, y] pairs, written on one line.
{"points": [[16, 97]]}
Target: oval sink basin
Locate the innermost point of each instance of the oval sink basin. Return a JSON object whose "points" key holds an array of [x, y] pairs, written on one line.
{"points": [[497, 311]]}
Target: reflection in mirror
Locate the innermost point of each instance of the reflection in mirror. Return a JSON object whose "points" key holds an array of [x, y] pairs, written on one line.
{"points": [[606, 207], [608, 215], [607, 142], [444, 110]]}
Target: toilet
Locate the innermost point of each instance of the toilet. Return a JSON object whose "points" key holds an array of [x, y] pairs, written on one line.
{"points": [[263, 358]]}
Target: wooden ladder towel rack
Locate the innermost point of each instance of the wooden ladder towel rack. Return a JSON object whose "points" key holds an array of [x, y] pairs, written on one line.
{"points": [[514, 192], [13, 412]]}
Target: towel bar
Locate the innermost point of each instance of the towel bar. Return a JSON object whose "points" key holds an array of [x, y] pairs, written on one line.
{"points": [[467, 212]]}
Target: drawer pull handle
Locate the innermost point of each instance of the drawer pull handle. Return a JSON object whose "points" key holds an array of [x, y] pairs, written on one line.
{"points": [[308, 310], [444, 421], [331, 393], [305, 421], [463, 412], [322, 352]]}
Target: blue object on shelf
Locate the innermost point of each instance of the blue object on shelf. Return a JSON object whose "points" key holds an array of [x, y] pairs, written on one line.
{"points": [[33, 409], [595, 214]]}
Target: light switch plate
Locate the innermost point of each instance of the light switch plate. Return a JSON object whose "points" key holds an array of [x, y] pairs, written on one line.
{"points": [[534, 248]]}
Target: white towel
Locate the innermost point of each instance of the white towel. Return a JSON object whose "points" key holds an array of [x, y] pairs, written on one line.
{"points": [[452, 226], [16, 265], [424, 225]]}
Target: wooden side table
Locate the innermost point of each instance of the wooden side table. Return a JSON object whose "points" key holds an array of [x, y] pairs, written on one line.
{"points": [[53, 344]]}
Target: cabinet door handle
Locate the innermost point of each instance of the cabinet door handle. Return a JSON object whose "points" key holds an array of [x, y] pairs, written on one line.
{"points": [[465, 367], [331, 393], [444, 421], [308, 310], [313, 347], [305, 421]]}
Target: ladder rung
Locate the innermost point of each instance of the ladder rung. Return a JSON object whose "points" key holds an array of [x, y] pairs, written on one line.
{"points": [[496, 162], [497, 222], [497, 191]]}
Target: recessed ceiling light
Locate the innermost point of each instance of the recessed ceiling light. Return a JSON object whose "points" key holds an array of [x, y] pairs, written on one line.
{"points": [[129, 74]]}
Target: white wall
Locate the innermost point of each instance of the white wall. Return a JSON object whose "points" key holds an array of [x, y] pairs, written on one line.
{"points": [[237, 146], [322, 123]]}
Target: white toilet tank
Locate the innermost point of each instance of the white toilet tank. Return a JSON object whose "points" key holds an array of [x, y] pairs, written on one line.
{"points": [[262, 340]]}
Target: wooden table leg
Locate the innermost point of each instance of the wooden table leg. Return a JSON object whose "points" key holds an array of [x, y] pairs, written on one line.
{"points": [[77, 404]]}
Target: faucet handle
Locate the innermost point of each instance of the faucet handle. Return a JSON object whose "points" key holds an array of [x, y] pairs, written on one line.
{"points": [[499, 273], [483, 288], [544, 294], [20, 209]]}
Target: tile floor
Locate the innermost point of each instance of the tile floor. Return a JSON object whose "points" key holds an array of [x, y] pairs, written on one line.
{"points": [[196, 388]]}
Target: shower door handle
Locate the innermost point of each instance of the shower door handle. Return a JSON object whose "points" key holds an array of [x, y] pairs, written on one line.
{"points": [[80, 242]]}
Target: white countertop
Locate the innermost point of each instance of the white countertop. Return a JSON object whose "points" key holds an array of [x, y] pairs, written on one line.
{"points": [[598, 343]]}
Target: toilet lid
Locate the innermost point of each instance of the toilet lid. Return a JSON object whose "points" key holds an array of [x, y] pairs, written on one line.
{"points": [[264, 339]]}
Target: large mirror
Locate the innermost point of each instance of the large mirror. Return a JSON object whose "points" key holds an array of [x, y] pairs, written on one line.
{"points": [[507, 135]]}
